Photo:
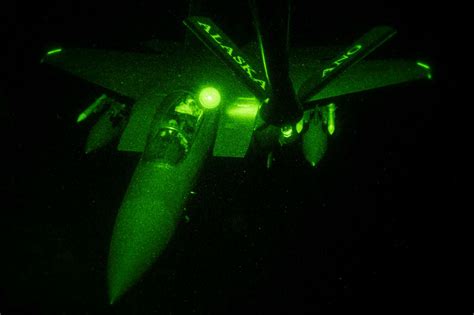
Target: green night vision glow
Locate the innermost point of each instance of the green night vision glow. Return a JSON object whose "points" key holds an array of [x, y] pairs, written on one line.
{"points": [[287, 131], [151, 209], [331, 118], [425, 66], [54, 51], [300, 125], [209, 98], [244, 107]]}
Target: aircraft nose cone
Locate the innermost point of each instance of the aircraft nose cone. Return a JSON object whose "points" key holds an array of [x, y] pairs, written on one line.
{"points": [[142, 231], [145, 223], [150, 212]]}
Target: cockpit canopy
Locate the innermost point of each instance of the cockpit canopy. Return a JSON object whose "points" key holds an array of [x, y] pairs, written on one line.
{"points": [[174, 128]]}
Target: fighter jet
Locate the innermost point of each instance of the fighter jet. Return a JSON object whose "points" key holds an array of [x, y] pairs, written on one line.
{"points": [[195, 98]]}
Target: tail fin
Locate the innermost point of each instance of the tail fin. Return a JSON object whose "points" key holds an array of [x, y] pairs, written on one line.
{"points": [[223, 47], [350, 56]]}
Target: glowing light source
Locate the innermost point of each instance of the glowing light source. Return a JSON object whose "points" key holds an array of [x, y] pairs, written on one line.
{"points": [[96, 106], [209, 98], [54, 51], [287, 131], [81, 117], [300, 125], [331, 118], [244, 108], [423, 65], [427, 67], [243, 111]]}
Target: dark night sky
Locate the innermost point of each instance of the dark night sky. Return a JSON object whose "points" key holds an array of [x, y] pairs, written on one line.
{"points": [[344, 237]]}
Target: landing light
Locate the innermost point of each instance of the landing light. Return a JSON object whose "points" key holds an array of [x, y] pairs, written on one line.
{"points": [[209, 98]]}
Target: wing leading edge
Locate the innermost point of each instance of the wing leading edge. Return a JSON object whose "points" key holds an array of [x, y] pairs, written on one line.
{"points": [[126, 73]]}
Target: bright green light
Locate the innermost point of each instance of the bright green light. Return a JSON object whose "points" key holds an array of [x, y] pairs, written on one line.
{"points": [[299, 125], [54, 51], [331, 128], [244, 108], [423, 65], [287, 131], [209, 98], [243, 111], [81, 117], [94, 107], [331, 118], [427, 67]]}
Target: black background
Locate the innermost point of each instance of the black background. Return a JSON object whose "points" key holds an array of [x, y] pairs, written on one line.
{"points": [[348, 236]]}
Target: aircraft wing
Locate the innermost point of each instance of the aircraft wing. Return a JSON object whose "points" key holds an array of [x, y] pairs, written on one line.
{"points": [[126, 73], [238, 120], [134, 74], [147, 78], [366, 75]]}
